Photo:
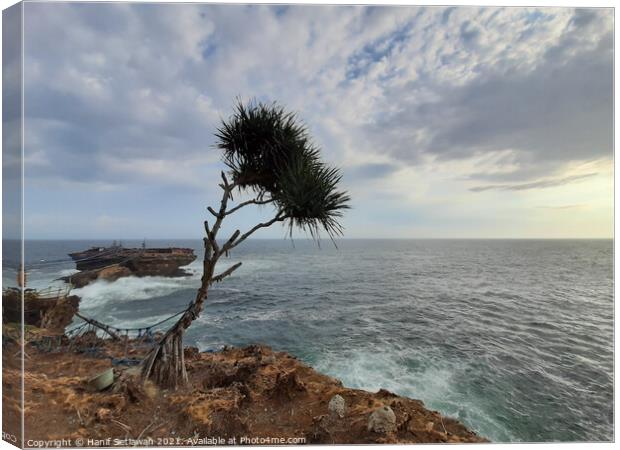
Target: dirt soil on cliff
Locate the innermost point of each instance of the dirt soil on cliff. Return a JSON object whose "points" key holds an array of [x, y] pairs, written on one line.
{"points": [[235, 396]]}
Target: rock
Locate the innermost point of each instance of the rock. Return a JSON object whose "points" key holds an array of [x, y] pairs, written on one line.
{"points": [[385, 393], [85, 277], [61, 314], [336, 406], [382, 420], [43, 310], [112, 263]]}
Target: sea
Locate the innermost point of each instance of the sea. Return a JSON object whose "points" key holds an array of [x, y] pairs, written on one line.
{"points": [[514, 338]]}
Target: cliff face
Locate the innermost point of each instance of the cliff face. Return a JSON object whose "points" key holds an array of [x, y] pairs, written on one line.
{"points": [[113, 263], [249, 395], [52, 313]]}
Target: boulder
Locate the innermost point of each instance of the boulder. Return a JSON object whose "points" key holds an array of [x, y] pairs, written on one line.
{"points": [[382, 420], [336, 407]]}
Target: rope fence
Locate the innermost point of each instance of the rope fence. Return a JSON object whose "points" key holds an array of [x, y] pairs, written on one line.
{"points": [[125, 331], [87, 338]]}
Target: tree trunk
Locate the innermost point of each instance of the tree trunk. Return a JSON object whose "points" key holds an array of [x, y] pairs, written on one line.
{"points": [[165, 364]]}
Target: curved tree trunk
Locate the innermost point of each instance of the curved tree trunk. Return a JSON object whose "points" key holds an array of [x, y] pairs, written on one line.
{"points": [[165, 364]]}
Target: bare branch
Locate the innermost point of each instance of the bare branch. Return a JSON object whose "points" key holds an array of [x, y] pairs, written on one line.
{"points": [[278, 218], [212, 242], [249, 202], [220, 277], [229, 242], [228, 188], [254, 201]]}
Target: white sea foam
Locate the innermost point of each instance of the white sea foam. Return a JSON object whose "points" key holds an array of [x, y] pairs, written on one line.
{"points": [[140, 288], [432, 382], [131, 288], [373, 369], [66, 272]]}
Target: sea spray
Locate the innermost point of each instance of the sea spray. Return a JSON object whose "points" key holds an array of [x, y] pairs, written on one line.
{"points": [[126, 289]]}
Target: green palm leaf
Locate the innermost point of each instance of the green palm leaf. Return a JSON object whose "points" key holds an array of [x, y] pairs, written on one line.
{"points": [[269, 151]]}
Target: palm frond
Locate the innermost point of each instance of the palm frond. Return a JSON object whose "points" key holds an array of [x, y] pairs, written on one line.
{"points": [[310, 199], [259, 141], [268, 150]]}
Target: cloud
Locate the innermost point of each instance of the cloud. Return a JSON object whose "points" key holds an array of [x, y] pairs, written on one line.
{"points": [[125, 97], [414, 82], [555, 109], [92, 96], [540, 184], [371, 171], [564, 207]]}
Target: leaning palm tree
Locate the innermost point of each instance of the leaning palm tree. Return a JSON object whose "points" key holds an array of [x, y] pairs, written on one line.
{"points": [[269, 154]]}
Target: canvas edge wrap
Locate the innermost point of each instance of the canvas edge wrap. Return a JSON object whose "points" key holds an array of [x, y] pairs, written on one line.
{"points": [[12, 217]]}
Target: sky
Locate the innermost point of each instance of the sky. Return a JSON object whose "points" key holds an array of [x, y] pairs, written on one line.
{"points": [[458, 122]]}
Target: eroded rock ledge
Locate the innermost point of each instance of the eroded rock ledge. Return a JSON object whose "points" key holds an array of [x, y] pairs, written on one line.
{"points": [[241, 393], [112, 263]]}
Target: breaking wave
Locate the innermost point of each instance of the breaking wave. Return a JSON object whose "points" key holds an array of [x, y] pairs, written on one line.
{"points": [[128, 289]]}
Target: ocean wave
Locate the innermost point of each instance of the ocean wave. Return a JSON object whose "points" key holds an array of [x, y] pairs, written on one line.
{"points": [[131, 288], [133, 323], [415, 374], [66, 272]]}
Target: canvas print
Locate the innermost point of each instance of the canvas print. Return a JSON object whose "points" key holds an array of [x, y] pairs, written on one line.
{"points": [[233, 224]]}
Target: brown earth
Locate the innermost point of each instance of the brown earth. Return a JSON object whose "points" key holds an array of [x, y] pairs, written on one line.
{"points": [[253, 394]]}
